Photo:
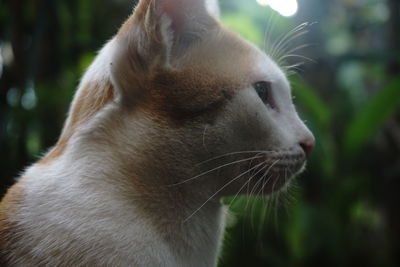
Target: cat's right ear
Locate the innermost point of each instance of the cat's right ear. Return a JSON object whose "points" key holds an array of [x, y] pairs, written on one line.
{"points": [[155, 34]]}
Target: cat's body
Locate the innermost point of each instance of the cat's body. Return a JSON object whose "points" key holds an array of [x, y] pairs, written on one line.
{"points": [[129, 182]]}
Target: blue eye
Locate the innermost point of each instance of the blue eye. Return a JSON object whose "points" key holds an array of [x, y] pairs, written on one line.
{"points": [[264, 91]]}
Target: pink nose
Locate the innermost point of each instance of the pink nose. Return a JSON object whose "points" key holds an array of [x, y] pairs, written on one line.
{"points": [[307, 145]]}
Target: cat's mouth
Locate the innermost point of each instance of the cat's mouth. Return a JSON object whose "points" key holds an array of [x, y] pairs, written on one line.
{"points": [[270, 173]]}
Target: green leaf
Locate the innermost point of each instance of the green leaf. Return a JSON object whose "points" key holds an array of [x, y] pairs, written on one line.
{"points": [[244, 25], [375, 113]]}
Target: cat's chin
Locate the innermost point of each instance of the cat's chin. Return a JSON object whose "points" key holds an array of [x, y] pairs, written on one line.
{"points": [[271, 174]]}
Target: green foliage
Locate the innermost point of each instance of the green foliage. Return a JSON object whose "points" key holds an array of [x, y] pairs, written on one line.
{"points": [[312, 103], [372, 117], [243, 25]]}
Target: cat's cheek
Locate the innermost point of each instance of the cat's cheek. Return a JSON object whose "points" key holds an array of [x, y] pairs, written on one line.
{"points": [[251, 120]]}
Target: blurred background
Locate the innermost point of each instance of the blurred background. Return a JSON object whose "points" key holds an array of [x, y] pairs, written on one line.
{"points": [[343, 211]]}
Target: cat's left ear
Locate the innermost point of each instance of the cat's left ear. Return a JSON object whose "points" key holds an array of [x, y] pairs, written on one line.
{"points": [[213, 8], [155, 36]]}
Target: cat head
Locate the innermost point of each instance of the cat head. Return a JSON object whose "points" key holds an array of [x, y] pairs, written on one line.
{"points": [[194, 98]]}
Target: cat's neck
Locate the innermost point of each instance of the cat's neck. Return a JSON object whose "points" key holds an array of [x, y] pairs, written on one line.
{"points": [[189, 224]]}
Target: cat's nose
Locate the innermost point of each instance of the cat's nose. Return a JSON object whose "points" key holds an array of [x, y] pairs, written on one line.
{"points": [[307, 144]]}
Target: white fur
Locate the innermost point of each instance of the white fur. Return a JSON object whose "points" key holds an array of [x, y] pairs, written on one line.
{"points": [[90, 202], [115, 196]]}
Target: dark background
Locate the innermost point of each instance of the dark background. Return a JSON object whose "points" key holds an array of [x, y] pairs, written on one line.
{"points": [[344, 210]]}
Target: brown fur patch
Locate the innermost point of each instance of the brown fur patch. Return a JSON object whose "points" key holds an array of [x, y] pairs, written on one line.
{"points": [[90, 99], [183, 95], [215, 70], [8, 231]]}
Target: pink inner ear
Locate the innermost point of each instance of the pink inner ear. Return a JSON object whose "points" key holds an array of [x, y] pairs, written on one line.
{"points": [[175, 10]]}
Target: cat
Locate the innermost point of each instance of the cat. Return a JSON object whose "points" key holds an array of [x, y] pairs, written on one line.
{"points": [[175, 112]]}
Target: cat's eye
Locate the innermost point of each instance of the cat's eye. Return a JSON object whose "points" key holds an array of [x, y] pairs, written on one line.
{"points": [[264, 91]]}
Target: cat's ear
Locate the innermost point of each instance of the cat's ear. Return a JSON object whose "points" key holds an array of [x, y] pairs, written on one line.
{"points": [[213, 7], [157, 32]]}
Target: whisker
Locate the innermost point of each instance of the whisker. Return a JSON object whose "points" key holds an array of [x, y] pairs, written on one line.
{"points": [[290, 73], [283, 37], [276, 202], [293, 69], [297, 56], [204, 138], [264, 175], [252, 208], [222, 188], [268, 30], [253, 188], [262, 218], [286, 37], [294, 66], [234, 153], [248, 181], [289, 34], [281, 48], [214, 169], [280, 60], [266, 207], [297, 48], [265, 182]]}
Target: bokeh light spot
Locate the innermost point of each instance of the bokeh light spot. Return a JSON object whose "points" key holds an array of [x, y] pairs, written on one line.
{"points": [[286, 8]]}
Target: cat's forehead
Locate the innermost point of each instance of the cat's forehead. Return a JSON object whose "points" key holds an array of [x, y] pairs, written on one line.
{"points": [[228, 55], [212, 73]]}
